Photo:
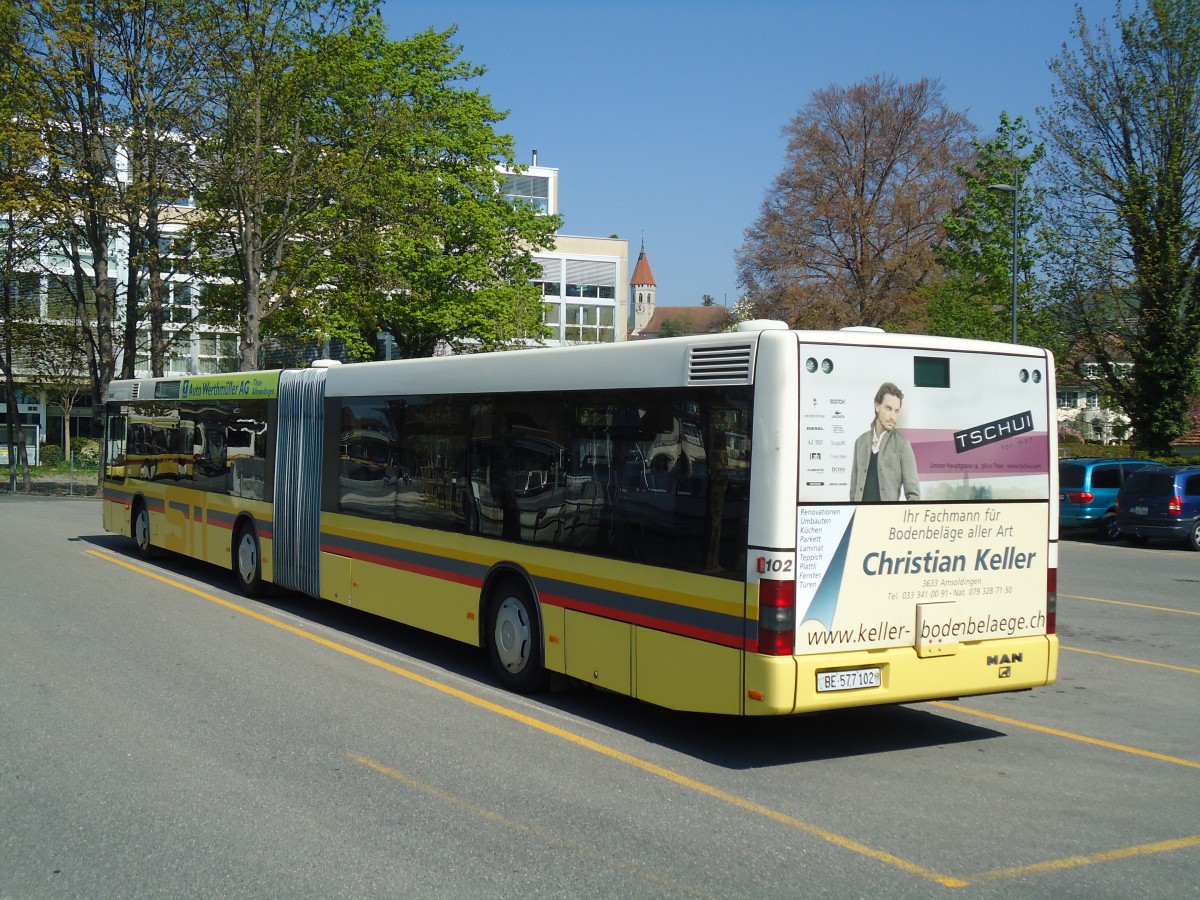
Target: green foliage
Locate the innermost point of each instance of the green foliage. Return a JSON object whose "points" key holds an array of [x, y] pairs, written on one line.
{"points": [[670, 328], [1126, 226], [85, 451], [974, 298], [384, 213], [50, 454]]}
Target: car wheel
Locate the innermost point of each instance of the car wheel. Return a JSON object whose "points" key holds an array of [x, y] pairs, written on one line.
{"points": [[1108, 528], [247, 562], [1193, 537], [514, 638]]}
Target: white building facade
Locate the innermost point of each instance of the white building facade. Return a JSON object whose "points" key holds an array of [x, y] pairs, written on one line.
{"points": [[584, 280]]}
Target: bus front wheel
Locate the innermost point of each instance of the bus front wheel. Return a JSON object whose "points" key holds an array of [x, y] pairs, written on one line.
{"points": [[514, 638], [247, 562], [141, 531]]}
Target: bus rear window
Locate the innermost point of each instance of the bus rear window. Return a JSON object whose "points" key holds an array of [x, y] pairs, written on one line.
{"points": [[931, 371]]}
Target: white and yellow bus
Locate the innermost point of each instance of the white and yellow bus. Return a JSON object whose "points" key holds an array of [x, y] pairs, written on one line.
{"points": [[763, 522]]}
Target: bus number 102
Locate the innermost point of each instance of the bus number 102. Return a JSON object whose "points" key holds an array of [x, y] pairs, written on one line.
{"points": [[774, 566]]}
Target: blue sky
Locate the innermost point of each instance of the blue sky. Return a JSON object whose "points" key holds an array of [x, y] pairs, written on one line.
{"points": [[664, 117]]}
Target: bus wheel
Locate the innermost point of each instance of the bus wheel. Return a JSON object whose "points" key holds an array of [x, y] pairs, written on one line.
{"points": [[247, 562], [514, 638], [141, 531]]}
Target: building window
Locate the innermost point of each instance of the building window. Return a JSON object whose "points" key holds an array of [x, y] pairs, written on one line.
{"points": [[589, 324], [1068, 399], [551, 280], [593, 279], [218, 353], [180, 300], [1093, 399], [580, 280], [26, 294], [531, 189]]}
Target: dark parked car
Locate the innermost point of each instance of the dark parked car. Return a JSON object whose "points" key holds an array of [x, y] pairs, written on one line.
{"points": [[1088, 492], [1162, 502]]}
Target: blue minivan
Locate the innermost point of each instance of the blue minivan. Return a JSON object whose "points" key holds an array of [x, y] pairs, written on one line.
{"points": [[1088, 492], [1162, 502]]}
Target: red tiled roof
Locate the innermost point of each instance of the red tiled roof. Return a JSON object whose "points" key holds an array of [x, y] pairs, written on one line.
{"points": [[641, 272], [691, 319], [1190, 439]]}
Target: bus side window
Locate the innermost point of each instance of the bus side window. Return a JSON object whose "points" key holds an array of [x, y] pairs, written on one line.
{"points": [[114, 447]]}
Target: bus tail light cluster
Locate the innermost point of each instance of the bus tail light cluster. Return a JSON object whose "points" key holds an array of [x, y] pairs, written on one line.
{"points": [[776, 617], [1051, 601]]}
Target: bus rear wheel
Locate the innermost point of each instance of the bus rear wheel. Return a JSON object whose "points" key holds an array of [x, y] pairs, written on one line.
{"points": [[514, 638], [247, 562]]}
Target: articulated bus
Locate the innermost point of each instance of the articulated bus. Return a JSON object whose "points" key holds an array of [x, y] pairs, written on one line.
{"points": [[764, 522]]}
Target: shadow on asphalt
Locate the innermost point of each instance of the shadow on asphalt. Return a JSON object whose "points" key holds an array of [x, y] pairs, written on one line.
{"points": [[730, 742]]}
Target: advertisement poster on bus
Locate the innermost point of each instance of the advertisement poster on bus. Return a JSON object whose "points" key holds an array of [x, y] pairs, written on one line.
{"points": [[924, 496]]}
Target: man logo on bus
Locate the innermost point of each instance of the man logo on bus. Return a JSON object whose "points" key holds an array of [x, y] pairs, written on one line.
{"points": [[885, 467]]}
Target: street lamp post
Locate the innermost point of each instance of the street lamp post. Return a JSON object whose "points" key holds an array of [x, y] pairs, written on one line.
{"points": [[1015, 190]]}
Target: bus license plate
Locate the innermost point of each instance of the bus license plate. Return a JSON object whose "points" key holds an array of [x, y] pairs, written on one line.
{"points": [[849, 679]]}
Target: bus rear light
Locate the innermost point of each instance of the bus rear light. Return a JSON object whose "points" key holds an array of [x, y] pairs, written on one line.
{"points": [[776, 618], [1051, 601]]}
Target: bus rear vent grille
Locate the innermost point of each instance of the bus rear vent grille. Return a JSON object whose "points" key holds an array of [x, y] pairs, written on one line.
{"points": [[136, 391], [721, 364]]}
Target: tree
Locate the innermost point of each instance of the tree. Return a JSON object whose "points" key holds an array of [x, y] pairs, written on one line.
{"points": [[267, 170], [846, 230], [436, 254], [155, 95], [20, 150], [352, 185], [70, 62], [974, 298], [671, 328], [57, 366], [1125, 131]]}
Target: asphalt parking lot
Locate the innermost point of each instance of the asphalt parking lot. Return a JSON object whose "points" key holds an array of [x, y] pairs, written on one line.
{"points": [[166, 737]]}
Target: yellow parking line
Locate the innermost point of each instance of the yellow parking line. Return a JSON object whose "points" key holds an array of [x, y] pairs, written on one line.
{"points": [[1131, 659], [1074, 862], [549, 838], [1170, 609], [610, 752], [699, 786], [1082, 738]]}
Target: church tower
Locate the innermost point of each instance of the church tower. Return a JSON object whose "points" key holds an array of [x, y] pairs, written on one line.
{"points": [[642, 288]]}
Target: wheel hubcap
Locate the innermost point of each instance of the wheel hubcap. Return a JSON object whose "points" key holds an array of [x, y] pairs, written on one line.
{"points": [[247, 558], [513, 635]]}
